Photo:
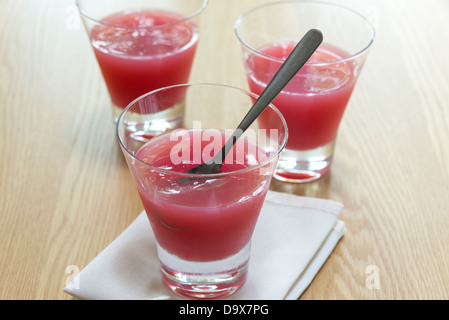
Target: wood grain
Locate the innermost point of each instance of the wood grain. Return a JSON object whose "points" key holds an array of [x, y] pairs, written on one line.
{"points": [[66, 192]]}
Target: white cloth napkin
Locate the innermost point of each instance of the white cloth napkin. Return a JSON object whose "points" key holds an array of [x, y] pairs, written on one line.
{"points": [[293, 238]]}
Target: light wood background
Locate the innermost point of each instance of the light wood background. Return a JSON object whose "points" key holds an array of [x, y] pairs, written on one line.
{"points": [[66, 192]]}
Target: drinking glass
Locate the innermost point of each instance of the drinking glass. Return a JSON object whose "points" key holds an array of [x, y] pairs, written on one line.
{"points": [[142, 45], [313, 103], [203, 223]]}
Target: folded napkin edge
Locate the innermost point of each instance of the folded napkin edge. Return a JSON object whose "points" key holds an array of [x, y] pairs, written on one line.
{"points": [[317, 262]]}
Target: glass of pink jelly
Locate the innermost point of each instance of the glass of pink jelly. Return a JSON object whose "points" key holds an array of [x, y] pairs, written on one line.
{"points": [[203, 225], [141, 46], [314, 102]]}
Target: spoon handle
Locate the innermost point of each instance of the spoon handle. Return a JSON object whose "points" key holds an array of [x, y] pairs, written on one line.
{"points": [[294, 62]]}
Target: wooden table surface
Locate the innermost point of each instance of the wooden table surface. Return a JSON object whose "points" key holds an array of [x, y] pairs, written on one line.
{"points": [[66, 192]]}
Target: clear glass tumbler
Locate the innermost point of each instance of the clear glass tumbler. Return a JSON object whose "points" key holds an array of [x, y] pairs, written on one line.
{"points": [[142, 45], [313, 103], [203, 223]]}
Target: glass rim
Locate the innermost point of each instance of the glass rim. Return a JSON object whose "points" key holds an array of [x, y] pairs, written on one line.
{"points": [[191, 175], [120, 26], [314, 63]]}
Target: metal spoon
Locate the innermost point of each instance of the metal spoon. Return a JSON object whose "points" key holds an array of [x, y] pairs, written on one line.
{"points": [[294, 62]]}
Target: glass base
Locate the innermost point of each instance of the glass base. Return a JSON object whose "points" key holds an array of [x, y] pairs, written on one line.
{"points": [[204, 280], [305, 165], [141, 128]]}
